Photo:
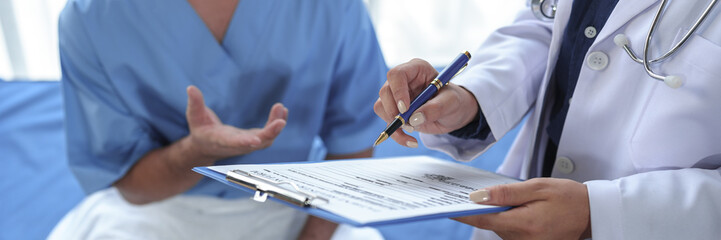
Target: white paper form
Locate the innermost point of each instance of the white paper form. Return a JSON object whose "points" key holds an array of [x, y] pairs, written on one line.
{"points": [[383, 189]]}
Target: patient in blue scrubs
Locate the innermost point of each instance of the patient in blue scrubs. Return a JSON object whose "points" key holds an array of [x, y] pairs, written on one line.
{"points": [[153, 88]]}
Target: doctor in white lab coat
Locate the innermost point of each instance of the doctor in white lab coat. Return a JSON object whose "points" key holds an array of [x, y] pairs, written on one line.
{"points": [[637, 159]]}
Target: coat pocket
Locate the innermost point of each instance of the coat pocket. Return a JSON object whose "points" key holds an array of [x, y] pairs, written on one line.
{"points": [[680, 127]]}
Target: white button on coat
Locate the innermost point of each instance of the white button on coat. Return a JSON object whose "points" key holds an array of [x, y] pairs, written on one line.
{"points": [[590, 32], [564, 165], [597, 61]]}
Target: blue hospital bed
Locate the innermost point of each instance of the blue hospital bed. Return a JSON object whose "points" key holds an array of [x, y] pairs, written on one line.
{"points": [[37, 188], [36, 185]]}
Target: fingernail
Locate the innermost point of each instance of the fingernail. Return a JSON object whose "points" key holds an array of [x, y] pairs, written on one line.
{"points": [[402, 107], [417, 119], [408, 128], [480, 196], [412, 144]]}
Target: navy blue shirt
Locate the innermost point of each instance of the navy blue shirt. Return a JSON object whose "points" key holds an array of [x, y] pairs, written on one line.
{"points": [[587, 19]]}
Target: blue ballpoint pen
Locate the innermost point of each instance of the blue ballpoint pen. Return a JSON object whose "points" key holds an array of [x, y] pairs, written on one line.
{"points": [[443, 78]]}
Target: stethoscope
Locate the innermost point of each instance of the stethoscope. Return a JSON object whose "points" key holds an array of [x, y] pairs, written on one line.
{"points": [[545, 10]]}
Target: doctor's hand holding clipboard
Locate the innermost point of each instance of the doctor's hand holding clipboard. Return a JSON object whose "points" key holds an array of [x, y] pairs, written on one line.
{"points": [[623, 123], [541, 202]]}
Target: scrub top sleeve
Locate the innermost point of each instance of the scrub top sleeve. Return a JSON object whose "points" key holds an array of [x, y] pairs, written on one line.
{"points": [[669, 204], [103, 138], [349, 124]]}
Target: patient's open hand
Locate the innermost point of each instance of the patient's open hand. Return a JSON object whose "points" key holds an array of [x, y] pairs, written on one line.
{"points": [[212, 139]]}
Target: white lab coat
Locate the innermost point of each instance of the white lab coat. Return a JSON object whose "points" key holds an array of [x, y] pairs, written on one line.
{"points": [[649, 154]]}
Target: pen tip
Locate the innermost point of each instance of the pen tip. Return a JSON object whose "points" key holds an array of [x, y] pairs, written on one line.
{"points": [[380, 139]]}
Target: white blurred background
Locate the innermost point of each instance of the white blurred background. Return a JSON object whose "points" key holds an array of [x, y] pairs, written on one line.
{"points": [[430, 29], [436, 30]]}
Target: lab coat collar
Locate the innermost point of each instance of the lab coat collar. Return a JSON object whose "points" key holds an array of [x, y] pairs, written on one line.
{"points": [[623, 13]]}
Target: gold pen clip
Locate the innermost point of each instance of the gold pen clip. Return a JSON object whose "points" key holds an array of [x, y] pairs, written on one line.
{"points": [[459, 72]]}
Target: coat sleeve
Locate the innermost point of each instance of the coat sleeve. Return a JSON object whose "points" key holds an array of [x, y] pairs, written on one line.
{"points": [[504, 75], [671, 204]]}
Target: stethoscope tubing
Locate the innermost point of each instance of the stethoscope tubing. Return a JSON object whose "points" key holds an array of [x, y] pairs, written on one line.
{"points": [[683, 40], [537, 6]]}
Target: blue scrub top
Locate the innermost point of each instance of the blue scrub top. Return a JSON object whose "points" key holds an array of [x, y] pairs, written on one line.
{"points": [[126, 65]]}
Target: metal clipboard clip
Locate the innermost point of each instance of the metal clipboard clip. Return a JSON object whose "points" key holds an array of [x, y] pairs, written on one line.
{"points": [[264, 188]]}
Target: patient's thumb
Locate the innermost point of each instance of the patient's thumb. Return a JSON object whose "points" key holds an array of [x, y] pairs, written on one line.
{"points": [[195, 110]]}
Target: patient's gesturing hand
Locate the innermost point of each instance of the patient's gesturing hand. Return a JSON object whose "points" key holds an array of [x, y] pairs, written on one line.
{"points": [[214, 140]]}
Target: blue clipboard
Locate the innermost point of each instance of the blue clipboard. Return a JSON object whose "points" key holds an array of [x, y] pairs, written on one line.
{"points": [[220, 177]]}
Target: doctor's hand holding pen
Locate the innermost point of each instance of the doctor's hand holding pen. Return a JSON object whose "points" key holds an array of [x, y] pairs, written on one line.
{"points": [[546, 208], [450, 109]]}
